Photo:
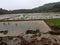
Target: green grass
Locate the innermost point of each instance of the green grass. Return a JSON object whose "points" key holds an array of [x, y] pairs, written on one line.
{"points": [[54, 22]]}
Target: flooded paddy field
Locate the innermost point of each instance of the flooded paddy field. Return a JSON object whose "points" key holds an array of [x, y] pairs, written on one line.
{"points": [[29, 16], [18, 27]]}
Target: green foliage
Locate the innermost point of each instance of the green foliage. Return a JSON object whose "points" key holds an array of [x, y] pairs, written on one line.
{"points": [[54, 22]]}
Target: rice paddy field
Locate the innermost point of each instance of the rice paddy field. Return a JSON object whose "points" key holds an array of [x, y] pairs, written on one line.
{"points": [[12, 22], [54, 21], [54, 24], [18, 27]]}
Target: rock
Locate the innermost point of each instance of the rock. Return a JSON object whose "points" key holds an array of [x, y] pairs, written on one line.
{"points": [[44, 39]]}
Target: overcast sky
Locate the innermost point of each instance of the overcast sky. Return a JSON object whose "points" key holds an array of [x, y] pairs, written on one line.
{"points": [[23, 4]]}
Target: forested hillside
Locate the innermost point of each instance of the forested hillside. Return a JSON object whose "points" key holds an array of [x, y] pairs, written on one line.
{"points": [[50, 7]]}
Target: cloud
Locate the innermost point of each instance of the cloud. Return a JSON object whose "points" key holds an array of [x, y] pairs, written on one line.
{"points": [[23, 4]]}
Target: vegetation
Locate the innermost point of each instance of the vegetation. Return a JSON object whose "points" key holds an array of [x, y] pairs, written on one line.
{"points": [[3, 11], [33, 31], [4, 32], [54, 24], [51, 7]]}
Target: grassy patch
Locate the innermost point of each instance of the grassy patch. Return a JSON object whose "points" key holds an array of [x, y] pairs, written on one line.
{"points": [[53, 22]]}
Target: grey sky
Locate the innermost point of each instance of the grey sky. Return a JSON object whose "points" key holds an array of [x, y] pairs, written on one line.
{"points": [[23, 4]]}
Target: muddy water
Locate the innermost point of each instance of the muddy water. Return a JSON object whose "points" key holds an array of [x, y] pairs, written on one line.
{"points": [[30, 16], [15, 28]]}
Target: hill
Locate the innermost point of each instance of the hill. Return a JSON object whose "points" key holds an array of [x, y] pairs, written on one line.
{"points": [[50, 7]]}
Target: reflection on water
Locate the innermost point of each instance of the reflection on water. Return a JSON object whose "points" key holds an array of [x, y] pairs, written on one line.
{"points": [[21, 26], [29, 16]]}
